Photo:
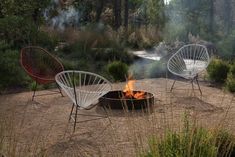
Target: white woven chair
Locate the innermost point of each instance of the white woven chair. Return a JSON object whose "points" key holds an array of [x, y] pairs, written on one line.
{"points": [[188, 62], [84, 89]]}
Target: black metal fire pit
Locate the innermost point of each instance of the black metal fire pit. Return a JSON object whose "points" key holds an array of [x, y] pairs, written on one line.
{"points": [[117, 100]]}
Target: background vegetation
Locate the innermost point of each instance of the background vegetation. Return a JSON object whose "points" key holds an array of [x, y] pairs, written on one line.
{"points": [[88, 35]]}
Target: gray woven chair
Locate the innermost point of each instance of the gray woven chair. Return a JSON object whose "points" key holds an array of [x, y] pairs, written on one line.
{"points": [[188, 62], [84, 89]]}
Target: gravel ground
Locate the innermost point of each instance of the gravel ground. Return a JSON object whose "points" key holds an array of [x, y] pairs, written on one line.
{"points": [[42, 126]]}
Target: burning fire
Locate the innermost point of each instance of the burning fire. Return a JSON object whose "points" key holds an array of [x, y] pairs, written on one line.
{"points": [[129, 93]]}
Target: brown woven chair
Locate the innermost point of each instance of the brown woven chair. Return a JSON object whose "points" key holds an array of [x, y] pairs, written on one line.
{"points": [[40, 65]]}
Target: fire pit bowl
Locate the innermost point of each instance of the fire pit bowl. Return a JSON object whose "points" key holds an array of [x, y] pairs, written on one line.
{"points": [[117, 100]]}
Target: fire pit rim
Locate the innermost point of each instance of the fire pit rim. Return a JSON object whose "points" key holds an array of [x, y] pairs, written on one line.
{"points": [[149, 96], [112, 100]]}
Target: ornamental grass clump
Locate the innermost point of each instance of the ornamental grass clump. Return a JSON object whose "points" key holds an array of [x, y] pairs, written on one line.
{"points": [[193, 141]]}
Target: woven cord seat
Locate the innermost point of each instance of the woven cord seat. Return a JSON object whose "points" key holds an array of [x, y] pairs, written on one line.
{"points": [[84, 89], [188, 62], [40, 65]]}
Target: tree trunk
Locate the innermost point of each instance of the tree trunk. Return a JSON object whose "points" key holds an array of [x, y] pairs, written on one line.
{"points": [[99, 9], [1, 13], [117, 13], [227, 15], [211, 16], [126, 16]]}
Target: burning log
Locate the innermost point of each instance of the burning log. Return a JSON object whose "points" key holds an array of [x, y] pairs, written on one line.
{"points": [[130, 94]]}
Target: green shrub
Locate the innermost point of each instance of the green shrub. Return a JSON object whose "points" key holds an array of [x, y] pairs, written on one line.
{"points": [[17, 30], [218, 70], [230, 81], [12, 75], [118, 70], [193, 141]]}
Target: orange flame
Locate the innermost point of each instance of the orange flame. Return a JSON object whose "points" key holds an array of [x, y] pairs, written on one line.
{"points": [[129, 93]]}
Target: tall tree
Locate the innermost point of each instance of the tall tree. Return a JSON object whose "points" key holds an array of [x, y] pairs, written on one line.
{"points": [[211, 16], [153, 12], [126, 15], [117, 13], [99, 9], [227, 15], [20, 20]]}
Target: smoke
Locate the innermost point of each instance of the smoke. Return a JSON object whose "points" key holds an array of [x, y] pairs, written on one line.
{"points": [[60, 16], [151, 64], [167, 1]]}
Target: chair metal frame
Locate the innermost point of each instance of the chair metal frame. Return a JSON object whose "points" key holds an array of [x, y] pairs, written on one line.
{"points": [[39, 79], [82, 97], [188, 62]]}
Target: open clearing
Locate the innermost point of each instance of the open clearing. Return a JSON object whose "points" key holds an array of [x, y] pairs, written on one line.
{"points": [[44, 124]]}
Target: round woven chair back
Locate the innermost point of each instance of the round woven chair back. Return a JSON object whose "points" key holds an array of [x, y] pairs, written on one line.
{"points": [[40, 64], [189, 60], [83, 88]]}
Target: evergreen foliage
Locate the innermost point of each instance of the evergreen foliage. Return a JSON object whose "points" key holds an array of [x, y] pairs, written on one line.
{"points": [[118, 70]]}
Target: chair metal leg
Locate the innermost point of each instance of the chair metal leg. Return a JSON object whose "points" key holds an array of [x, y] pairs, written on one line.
{"points": [[106, 112], [34, 91], [60, 90], [173, 85], [198, 85], [96, 117], [75, 119], [192, 85], [71, 112]]}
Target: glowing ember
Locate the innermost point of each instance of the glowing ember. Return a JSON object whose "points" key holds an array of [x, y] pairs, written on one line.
{"points": [[128, 90]]}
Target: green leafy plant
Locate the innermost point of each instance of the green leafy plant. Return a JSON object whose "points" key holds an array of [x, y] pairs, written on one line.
{"points": [[10, 68], [193, 141], [218, 70], [118, 70], [230, 81]]}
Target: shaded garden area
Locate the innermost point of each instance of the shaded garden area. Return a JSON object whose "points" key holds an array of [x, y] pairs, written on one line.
{"points": [[103, 36]]}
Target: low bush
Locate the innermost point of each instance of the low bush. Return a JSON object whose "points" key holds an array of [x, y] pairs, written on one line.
{"points": [[218, 70], [197, 142], [118, 70], [17, 30], [192, 141], [230, 81], [12, 75]]}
